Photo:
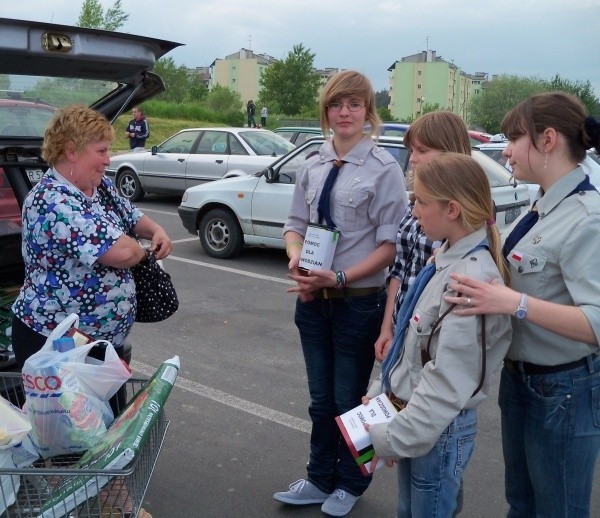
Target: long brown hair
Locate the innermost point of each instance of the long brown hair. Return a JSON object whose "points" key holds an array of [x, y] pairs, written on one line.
{"points": [[455, 176]]}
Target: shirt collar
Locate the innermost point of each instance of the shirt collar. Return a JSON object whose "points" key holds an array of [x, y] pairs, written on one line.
{"points": [[450, 254], [357, 155], [559, 191]]}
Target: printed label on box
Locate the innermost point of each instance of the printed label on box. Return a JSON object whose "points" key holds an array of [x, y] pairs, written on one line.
{"points": [[319, 248]]}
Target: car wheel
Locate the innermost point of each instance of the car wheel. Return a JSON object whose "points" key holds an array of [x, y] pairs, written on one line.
{"points": [[129, 186], [220, 234]]}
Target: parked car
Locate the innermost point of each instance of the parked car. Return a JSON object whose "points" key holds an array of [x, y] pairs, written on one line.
{"points": [[478, 137], [393, 129], [111, 72], [298, 134], [194, 156], [251, 210], [591, 164]]}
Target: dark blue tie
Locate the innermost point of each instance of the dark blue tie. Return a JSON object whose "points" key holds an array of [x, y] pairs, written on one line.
{"points": [[530, 219], [324, 209], [406, 311]]}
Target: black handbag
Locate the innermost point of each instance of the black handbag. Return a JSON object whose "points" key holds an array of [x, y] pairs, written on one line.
{"points": [[154, 291]]}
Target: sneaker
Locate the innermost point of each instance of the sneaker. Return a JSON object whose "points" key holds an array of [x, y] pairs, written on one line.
{"points": [[339, 503], [302, 492]]}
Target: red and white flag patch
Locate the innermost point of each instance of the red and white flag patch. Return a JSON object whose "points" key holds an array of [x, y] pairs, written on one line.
{"points": [[516, 255]]}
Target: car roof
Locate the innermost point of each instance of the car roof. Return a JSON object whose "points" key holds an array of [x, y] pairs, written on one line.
{"points": [[306, 129], [51, 50]]}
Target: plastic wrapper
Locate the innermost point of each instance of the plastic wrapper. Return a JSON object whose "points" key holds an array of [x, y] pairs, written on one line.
{"points": [[67, 393], [122, 442]]}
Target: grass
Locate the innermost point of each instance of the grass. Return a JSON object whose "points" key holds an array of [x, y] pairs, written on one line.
{"points": [[160, 130]]}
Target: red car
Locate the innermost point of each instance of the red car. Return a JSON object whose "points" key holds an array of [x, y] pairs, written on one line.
{"points": [[479, 137]]}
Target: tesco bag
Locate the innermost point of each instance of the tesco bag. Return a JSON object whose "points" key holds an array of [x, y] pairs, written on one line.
{"points": [[67, 393]]}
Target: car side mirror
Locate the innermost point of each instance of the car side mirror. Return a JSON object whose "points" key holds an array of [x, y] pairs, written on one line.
{"points": [[154, 150], [270, 175]]}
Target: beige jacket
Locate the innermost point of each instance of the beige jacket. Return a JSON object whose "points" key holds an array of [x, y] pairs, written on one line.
{"points": [[437, 392]]}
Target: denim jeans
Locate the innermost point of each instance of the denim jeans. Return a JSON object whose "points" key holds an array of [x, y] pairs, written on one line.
{"points": [[337, 341], [551, 440], [428, 486]]}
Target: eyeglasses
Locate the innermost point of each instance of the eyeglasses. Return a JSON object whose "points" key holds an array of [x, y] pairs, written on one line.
{"points": [[353, 106]]}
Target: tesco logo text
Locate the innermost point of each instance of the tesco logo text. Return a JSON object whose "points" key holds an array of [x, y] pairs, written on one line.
{"points": [[41, 383]]}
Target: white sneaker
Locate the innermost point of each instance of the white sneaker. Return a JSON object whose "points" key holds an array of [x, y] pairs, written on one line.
{"points": [[302, 492], [339, 503]]}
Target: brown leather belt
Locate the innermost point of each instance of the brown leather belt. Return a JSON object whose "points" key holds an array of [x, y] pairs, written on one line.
{"points": [[532, 369], [399, 404], [333, 293]]}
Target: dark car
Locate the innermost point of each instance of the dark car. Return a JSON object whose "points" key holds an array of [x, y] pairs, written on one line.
{"points": [[49, 66], [298, 134]]}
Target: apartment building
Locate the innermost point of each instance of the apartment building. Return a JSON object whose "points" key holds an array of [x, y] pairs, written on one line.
{"points": [[427, 79], [240, 72]]}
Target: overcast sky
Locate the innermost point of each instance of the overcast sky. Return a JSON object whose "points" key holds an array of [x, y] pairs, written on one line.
{"points": [[538, 38]]}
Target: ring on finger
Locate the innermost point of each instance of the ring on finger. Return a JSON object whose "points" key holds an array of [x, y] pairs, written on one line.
{"points": [[469, 301]]}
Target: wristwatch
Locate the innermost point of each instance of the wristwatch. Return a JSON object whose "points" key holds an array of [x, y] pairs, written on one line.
{"points": [[521, 312]]}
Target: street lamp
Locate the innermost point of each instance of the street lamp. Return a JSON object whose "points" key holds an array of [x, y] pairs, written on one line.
{"points": [[421, 109]]}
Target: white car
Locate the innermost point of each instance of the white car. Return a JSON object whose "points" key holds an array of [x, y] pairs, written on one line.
{"points": [[194, 156], [590, 165], [251, 210]]}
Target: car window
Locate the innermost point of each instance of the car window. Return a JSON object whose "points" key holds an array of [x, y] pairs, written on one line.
{"points": [[303, 137], [235, 146], [182, 142], [287, 171], [287, 135], [265, 143]]}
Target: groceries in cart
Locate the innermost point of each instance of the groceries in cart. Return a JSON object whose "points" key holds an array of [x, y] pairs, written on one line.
{"points": [[120, 446], [67, 392]]}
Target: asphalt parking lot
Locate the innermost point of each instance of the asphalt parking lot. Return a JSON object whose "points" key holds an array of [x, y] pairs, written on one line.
{"points": [[239, 427]]}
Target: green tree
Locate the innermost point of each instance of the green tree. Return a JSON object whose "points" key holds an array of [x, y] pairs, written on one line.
{"points": [[290, 85], [176, 79], [92, 15], [222, 99], [197, 89], [583, 90], [382, 99], [385, 114], [500, 95]]}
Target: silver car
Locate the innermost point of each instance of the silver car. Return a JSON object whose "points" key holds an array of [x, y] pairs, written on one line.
{"points": [[194, 156], [251, 210]]}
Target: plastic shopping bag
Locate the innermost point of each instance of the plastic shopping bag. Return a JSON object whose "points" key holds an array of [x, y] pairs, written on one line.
{"points": [[67, 393]]}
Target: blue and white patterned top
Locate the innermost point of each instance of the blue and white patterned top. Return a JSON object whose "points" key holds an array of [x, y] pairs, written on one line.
{"points": [[64, 234]]}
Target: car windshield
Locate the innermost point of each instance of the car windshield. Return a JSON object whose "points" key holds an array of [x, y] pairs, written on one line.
{"points": [[28, 102], [266, 143]]}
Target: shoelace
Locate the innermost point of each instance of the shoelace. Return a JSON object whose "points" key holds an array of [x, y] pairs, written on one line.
{"points": [[297, 486], [340, 494]]}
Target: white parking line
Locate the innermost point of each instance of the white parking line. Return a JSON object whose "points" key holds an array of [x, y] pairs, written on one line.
{"points": [[302, 425], [231, 270], [187, 240], [156, 211]]}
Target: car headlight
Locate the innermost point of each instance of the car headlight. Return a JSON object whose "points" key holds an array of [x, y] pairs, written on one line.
{"points": [[184, 197]]}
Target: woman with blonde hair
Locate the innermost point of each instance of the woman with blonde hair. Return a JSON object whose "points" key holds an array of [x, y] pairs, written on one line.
{"points": [[440, 365], [357, 189]]}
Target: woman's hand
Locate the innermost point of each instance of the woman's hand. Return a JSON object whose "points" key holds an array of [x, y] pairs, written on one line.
{"points": [[161, 245], [476, 297], [311, 280]]}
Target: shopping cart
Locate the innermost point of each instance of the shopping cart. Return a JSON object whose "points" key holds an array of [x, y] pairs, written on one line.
{"points": [[108, 493]]}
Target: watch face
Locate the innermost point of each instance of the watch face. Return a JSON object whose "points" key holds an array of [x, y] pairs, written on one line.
{"points": [[521, 313]]}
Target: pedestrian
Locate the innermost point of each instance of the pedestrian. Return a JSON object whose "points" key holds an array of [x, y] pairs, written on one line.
{"points": [[440, 366], [339, 310], [263, 116], [250, 110], [550, 384], [137, 130], [429, 136], [77, 248]]}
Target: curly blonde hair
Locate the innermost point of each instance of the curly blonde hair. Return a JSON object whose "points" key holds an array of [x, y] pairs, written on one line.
{"points": [[75, 123]]}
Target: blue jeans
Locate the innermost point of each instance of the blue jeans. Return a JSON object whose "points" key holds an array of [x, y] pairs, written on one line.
{"points": [[551, 440], [428, 486], [337, 341]]}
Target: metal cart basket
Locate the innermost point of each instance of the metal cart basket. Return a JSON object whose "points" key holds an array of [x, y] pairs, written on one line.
{"points": [[108, 493]]}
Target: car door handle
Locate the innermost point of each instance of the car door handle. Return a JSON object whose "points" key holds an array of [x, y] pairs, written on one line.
{"points": [[181, 159], [219, 161]]}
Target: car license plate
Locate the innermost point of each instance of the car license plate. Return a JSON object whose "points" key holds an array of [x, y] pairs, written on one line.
{"points": [[35, 175], [511, 214]]}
